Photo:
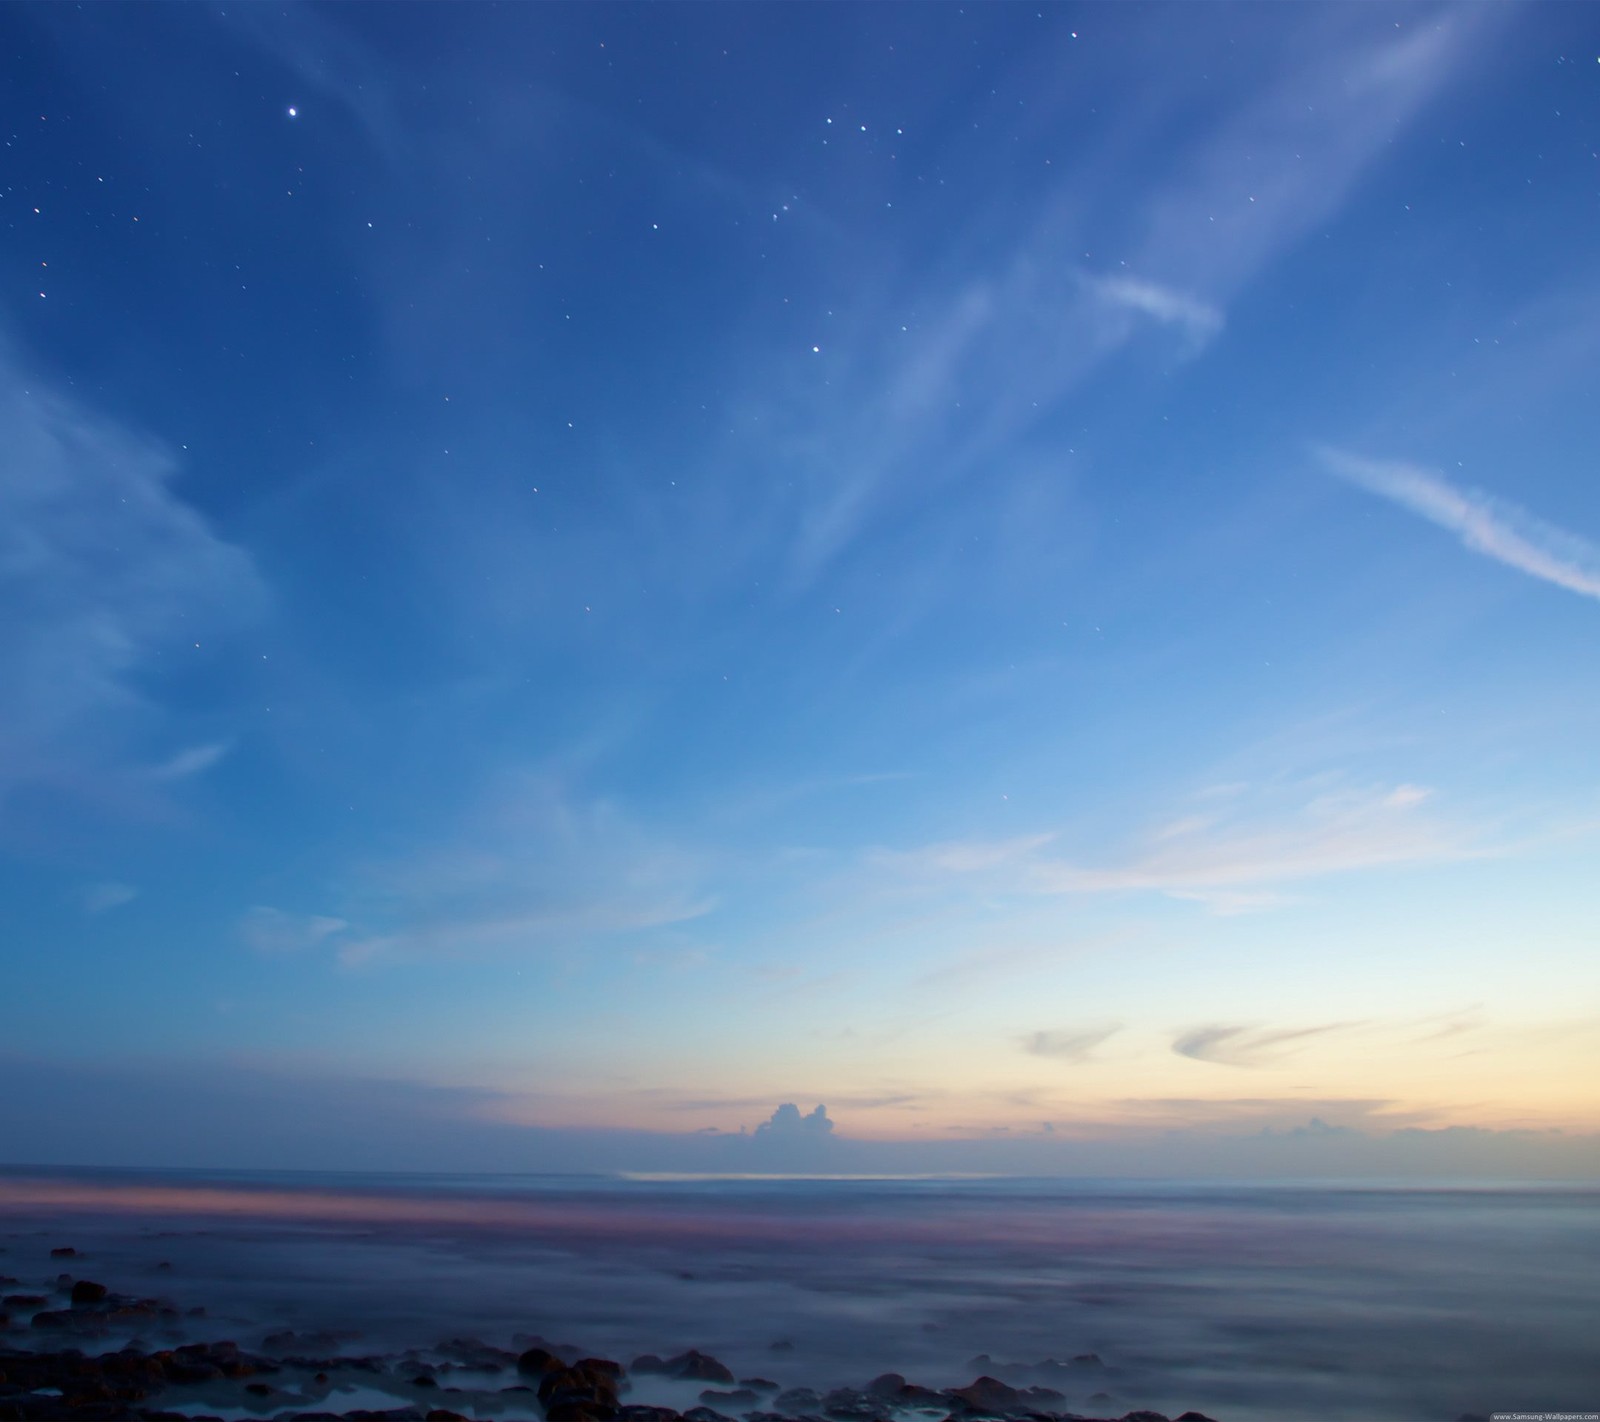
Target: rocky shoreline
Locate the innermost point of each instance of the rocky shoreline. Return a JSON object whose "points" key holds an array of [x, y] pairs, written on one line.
{"points": [[294, 1377]]}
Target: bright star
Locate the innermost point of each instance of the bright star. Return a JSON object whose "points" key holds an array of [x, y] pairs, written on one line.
{"points": [[293, 112]]}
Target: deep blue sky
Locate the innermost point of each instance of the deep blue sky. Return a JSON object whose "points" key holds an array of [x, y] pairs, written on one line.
{"points": [[1013, 570]]}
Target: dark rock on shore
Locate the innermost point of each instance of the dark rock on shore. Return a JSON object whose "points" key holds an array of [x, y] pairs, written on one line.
{"points": [[897, 1392], [797, 1399], [989, 1397], [536, 1362], [65, 1251], [636, 1413], [474, 1355], [86, 1291], [693, 1366], [585, 1392]]}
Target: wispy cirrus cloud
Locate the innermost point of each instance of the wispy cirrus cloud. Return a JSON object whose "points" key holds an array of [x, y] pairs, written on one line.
{"points": [[537, 869], [103, 565], [1200, 319], [192, 761], [276, 932], [1247, 1047], [1484, 522], [103, 897], [1233, 860], [1070, 1045]]}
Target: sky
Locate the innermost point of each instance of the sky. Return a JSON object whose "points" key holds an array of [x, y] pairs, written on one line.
{"points": [[576, 578]]}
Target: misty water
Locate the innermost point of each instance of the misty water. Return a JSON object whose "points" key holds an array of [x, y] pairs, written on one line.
{"points": [[1245, 1302]]}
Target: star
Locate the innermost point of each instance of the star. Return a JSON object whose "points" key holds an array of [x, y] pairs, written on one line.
{"points": [[293, 112]]}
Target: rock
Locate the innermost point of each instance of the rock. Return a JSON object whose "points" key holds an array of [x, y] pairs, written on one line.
{"points": [[759, 1384], [695, 1366], [705, 1414], [65, 1251], [536, 1362], [439, 1414], [989, 1397], [260, 1389], [1192, 1416], [86, 1291], [739, 1397], [423, 1380], [585, 1392], [634, 1413], [1144, 1416], [893, 1389], [476, 1355], [797, 1399]]}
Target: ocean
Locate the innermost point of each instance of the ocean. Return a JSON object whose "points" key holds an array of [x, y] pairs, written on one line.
{"points": [[1249, 1303]]}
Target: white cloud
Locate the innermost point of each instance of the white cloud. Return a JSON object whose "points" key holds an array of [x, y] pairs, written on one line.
{"points": [[1237, 863], [102, 567], [1485, 523], [1173, 308], [101, 898], [272, 931], [192, 761], [531, 869]]}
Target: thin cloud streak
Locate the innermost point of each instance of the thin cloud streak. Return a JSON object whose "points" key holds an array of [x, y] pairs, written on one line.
{"points": [[1172, 308], [1485, 523], [1241, 1047], [1069, 1046]]}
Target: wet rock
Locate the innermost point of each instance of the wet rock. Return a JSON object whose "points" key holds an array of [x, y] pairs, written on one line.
{"points": [[86, 1291], [1143, 1416], [636, 1413], [476, 1355], [64, 1251], [585, 1392], [423, 1380], [1193, 1416], [693, 1366], [989, 1397], [797, 1399], [536, 1362], [705, 1414], [440, 1414], [738, 1397]]}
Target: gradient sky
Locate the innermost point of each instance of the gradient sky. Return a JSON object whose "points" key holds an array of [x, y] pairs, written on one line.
{"points": [[1015, 571]]}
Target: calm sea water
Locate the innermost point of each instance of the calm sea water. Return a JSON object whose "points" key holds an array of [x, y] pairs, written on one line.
{"points": [[1248, 1303]]}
